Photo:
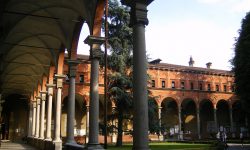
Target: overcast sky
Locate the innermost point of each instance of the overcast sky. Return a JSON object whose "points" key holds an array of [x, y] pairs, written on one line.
{"points": [[203, 29]]}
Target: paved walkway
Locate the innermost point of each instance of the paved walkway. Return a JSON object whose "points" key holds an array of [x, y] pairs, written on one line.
{"points": [[238, 146], [15, 146]]}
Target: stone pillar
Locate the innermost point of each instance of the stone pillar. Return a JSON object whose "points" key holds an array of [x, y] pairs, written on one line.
{"points": [[180, 123], [198, 122], [215, 118], [59, 85], [49, 111], [138, 20], [231, 121], [95, 55], [114, 136], [38, 100], [87, 124], [34, 119], [30, 119], [71, 102], [43, 99], [161, 138], [159, 117]]}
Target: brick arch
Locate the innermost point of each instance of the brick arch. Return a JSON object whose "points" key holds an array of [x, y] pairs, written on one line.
{"points": [[169, 113], [187, 100], [160, 102], [206, 117], [223, 107], [206, 100], [189, 108]]}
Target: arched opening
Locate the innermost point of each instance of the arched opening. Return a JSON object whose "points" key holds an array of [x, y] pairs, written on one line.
{"points": [[15, 118], [169, 116], [239, 118], [206, 119], [223, 119], [80, 126], [82, 48], [153, 114], [189, 123]]}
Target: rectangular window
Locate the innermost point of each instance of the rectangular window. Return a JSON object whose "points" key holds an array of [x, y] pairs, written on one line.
{"points": [[173, 85], [191, 85], [153, 83], [225, 88], [182, 85], [67, 78], [217, 87], [163, 84], [81, 78], [208, 87], [54, 78], [232, 88], [200, 86]]}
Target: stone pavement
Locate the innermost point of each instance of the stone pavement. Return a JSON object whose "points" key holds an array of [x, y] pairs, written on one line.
{"points": [[232, 146], [15, 146]]}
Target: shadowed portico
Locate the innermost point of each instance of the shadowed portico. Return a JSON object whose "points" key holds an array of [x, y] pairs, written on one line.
{"points": [[34, 38]]}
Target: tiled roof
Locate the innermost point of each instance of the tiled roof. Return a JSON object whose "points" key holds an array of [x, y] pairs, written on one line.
{"points": [[172, 67]]}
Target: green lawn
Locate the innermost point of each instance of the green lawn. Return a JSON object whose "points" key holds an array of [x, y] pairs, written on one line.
{"points": [[167, 146]]}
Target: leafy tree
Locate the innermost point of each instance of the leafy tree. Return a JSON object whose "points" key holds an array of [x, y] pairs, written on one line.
{"points": [[241, 63], [120, 67], [120, 62]]}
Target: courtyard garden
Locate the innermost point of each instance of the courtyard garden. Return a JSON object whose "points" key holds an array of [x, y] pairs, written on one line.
{"points": [[167, 146]]}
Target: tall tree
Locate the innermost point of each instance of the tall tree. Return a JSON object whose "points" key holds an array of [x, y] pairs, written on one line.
{"points": [[120, 66], [241, 63], [120, 62]]}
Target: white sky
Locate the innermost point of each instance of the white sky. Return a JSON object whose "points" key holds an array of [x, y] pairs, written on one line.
{"points": [[203, 29]]}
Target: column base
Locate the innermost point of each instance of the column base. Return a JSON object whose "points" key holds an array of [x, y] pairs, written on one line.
{"points": [[161, 137], [140, 148], [73, 146], [57, 145], [48, 139], [93, 147]]}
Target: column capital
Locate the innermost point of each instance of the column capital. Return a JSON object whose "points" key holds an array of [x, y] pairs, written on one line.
{"points": [[38, 97], [43, 92], [90, 40], [50, 85], [59, 81], [138, 11], [43, 95], [50, 88], [72, 67], [95, 51]]}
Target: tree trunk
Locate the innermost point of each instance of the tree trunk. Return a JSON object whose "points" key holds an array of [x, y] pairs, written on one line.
{"points": [[120, 119]]}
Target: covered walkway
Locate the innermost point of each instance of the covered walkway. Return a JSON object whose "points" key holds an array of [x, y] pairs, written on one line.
{"points": [[15, 146]]}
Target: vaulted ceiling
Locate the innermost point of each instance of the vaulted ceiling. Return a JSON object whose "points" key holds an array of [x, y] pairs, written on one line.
{"points": [[32, 33]]}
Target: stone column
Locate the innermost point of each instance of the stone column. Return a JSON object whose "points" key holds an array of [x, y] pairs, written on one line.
{"points": [[161, 138], [114, 136], [180, 123], [215, 118], [59, 85], [49, 111], [30, 119], [95, 55], [138, 20], [231, 121], [198, 122], [34, 119], [159, 117], [87, 124], [71, 102], [43, 99], [38, 100]]}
